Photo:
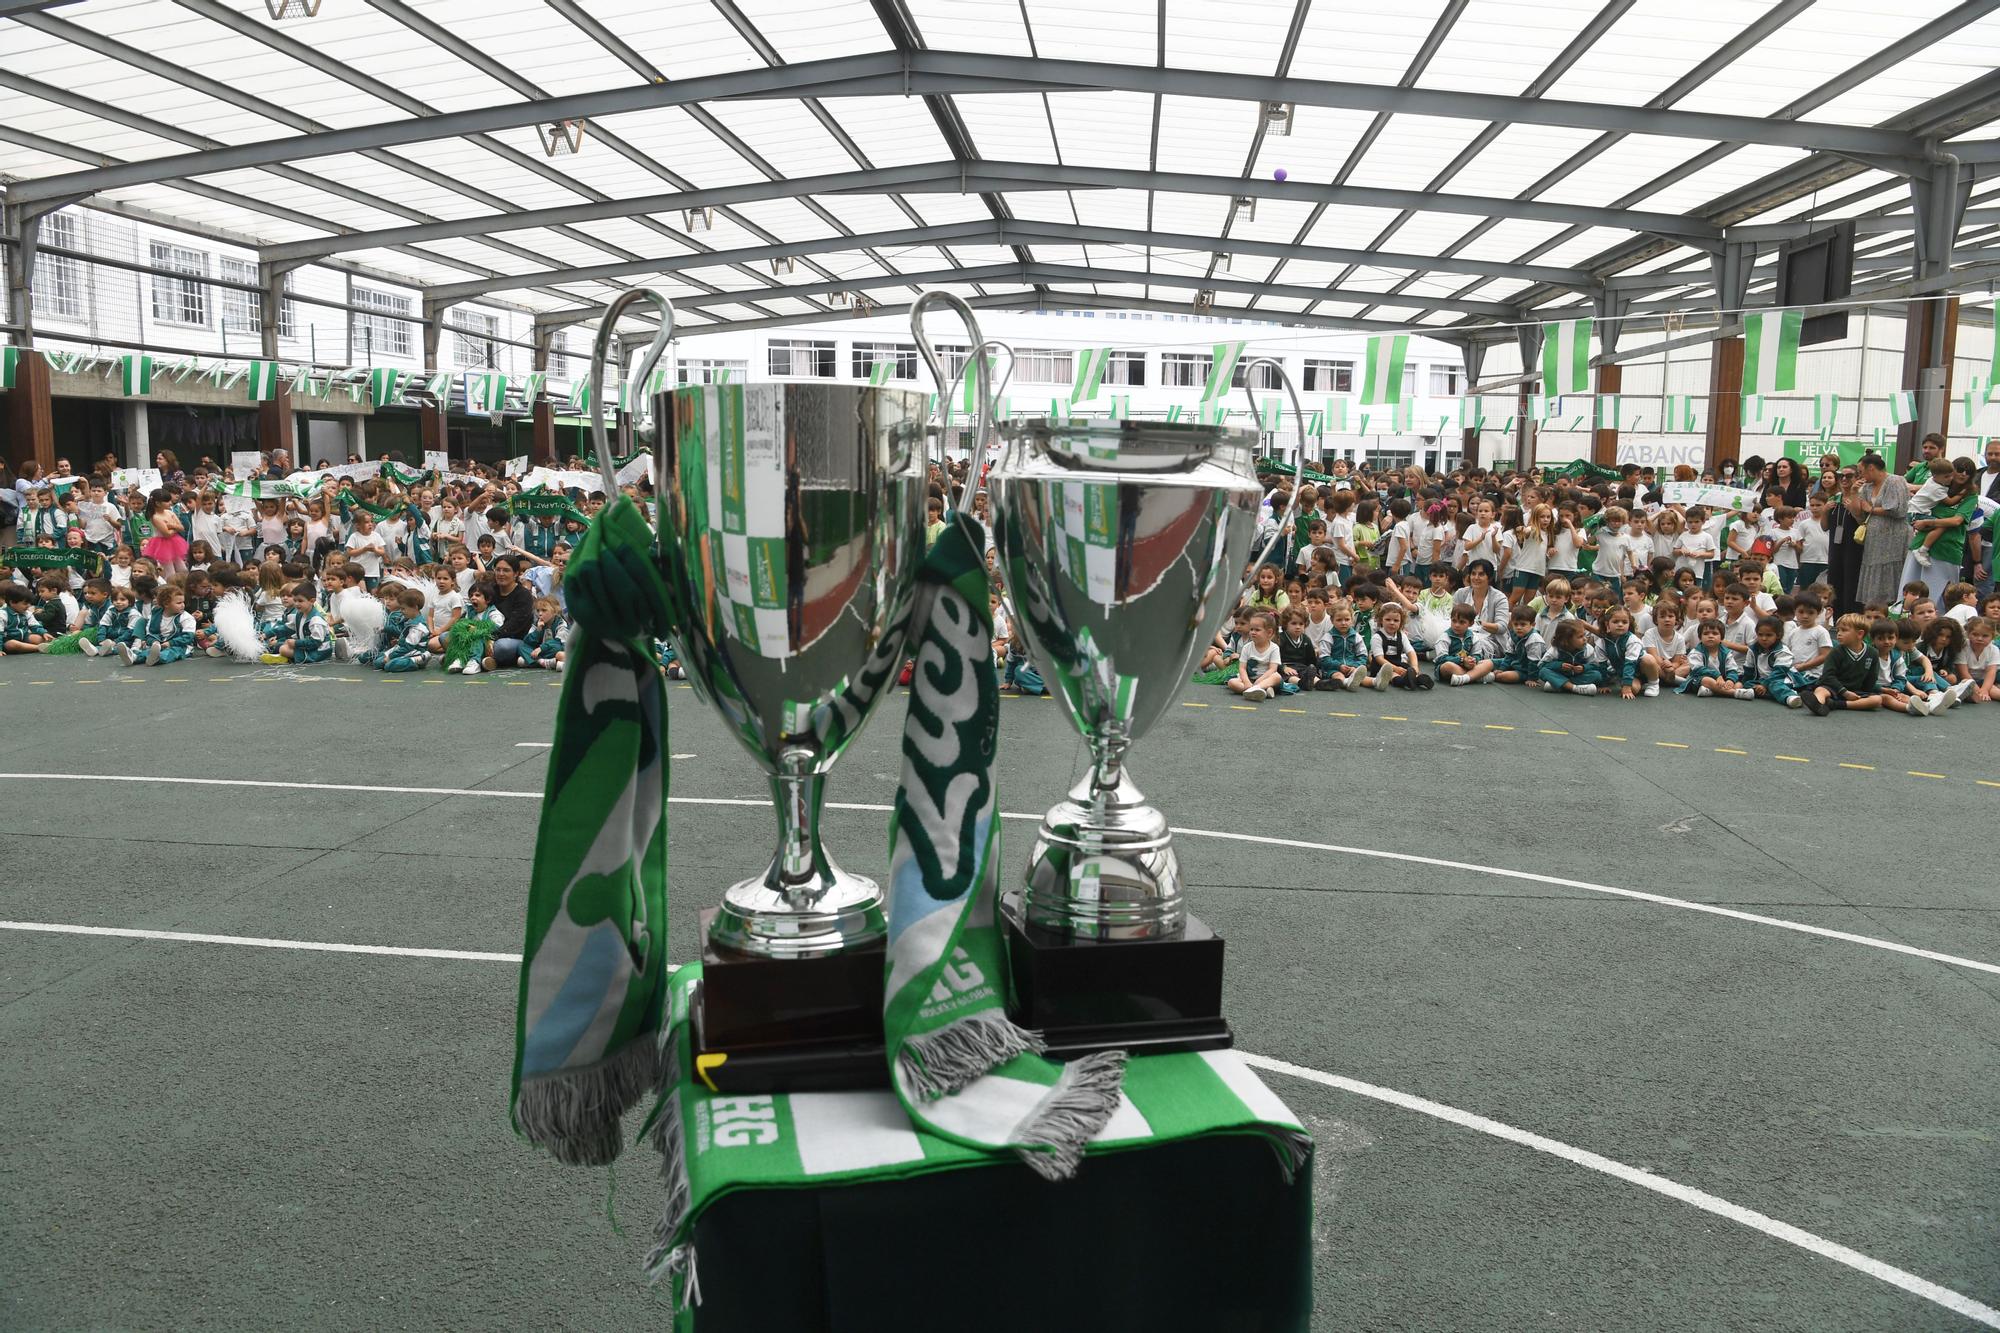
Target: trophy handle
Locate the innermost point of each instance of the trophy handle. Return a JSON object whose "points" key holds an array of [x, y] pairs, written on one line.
{"points": [[1000, 382], [598, 351], [1299, 471], [983, 418]]}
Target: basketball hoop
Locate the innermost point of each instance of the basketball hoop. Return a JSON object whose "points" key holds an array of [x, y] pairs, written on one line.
{"points": [[558, 139], [292, 9]]}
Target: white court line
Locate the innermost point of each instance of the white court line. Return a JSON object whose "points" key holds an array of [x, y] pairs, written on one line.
{"points": [[1501, 872], [1582, 1157], [252, 941], [1646, 1180]]}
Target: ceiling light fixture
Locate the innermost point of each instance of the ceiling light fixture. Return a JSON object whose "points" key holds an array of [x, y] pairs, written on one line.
{"points": [[292, 9], [560, 137], [699, 219], [1278, 118]]}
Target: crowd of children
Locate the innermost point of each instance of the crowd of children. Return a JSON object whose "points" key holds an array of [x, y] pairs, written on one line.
{"points": [[1585, 590], [396, 576]]}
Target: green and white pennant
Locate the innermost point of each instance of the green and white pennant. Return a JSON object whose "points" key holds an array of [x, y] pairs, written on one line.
{"points": [[579, 397], [1771, 351], [879, 373], [1338, 420], [260, 381], [1610, 411], [438, 384], [1825, 406], [1566, 356], [136, 374], [385, 386], [1678, 413], [1382, 375], [1221, 370], [537, 382], [1090, 363]]}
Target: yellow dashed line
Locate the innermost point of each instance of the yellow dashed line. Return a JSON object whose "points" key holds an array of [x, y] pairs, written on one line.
{"points": [[1441, 722], [1391, 717], [1984, 783], [525, 683], [99, 682], [1343, 715], [1916, 774], [1670, 745], [1611, 738], [1241, 708], [182, 680], [41, 682], [1791, 759], [1495, 726], [1723, 749], [439, 682], [1281, 710], [1547, 732], [1184, 703], [1865, 768]]}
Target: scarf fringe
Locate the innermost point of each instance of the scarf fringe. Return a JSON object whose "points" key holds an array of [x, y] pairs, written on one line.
{"points": [[1294, 1148], [667, 1259], [574, 1115], [1083, 1099], [937, 1064]]}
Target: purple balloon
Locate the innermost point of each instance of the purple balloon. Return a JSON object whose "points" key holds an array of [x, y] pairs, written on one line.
{"points": [[1278, 175]]}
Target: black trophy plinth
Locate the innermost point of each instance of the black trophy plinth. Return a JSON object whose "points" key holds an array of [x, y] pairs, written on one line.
{"points": [[788, 1024], [1143, 996]]}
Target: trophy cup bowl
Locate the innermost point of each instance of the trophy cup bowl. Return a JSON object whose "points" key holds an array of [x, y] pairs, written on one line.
{"points": [[1121, 542], [791, 529]]}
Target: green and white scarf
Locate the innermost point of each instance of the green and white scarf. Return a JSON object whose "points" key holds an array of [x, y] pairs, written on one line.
{"points": [[963, 1070], [594, 970]]}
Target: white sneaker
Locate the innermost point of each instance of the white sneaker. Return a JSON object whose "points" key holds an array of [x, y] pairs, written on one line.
{"points": [[1652, 690], [1583, 689], [472, 668], [214, 651], [153, 655], [1959, 691], [125, 651], [1923, 557], [343, 651], [1460, 680], [1254, 694], [1920, 708], [1942, 700], [1382, 681], [454, 667], [86, 647], [555, 666], [1796, 701], [1746, 694]]}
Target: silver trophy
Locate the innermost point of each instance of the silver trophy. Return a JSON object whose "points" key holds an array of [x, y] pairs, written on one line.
{"points": [[1122, 544], [791, 520]]}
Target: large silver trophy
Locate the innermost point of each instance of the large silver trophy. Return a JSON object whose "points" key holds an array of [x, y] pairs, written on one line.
{"points": [[791, 527], [1122, 544]]}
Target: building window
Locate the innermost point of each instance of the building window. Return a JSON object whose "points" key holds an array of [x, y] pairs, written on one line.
{"points": [[1126, 368], [59, 279], [1267, 376], [1444, 381], [380, 335], [1410, 380], [1044, 365], [559, 354], [472, 345], [241, 311], [180, 300], [713, 372], [1184, 370], [1329, 377], [868, 355], [800, 359]]}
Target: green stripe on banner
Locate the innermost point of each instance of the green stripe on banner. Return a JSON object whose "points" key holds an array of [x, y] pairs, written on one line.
{"points": [[729, 450], [1090, 363], [10, 363], [1771, 351], [136, 374], [260, 381]]}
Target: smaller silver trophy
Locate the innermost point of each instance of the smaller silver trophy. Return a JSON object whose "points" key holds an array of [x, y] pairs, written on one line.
{"points": [[1121, 543]]}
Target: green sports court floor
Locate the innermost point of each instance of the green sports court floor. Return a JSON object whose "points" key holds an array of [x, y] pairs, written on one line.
{"points": [[1605, 1016]]}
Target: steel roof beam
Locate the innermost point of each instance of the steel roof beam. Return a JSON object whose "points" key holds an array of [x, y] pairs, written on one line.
{"points": [[997, 232], [945, 73], [971, 177]]}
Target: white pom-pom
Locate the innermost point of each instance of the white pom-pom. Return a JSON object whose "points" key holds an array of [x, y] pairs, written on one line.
{"points": [[236, 627]]}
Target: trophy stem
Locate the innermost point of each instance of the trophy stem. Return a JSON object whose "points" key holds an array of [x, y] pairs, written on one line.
{"points": [[803, 903], [1103, 866]]}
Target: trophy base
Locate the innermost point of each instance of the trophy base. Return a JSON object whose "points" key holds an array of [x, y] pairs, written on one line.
{"points": [[1103, 868], [759, 919], [1146, 996], [804, 1024]]}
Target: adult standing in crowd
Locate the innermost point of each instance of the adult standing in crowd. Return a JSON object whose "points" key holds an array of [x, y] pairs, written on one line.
{"points": [[1843, 527], [1979, 564], [1882, 503], [1784, 484], [10, 505]]}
